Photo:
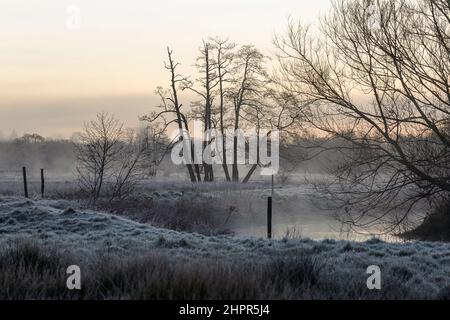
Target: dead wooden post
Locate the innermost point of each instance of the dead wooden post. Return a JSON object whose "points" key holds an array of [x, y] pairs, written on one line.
{"points": [[25, 185], [42, 183], [269, 218]]}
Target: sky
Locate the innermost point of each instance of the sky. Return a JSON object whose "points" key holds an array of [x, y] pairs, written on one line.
{"points": [[63, 61]]}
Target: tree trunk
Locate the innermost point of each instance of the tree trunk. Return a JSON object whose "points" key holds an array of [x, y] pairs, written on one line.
{"points": [[178, 112], [235, 165], [250, 173]]}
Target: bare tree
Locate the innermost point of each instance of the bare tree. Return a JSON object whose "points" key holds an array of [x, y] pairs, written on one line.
{"points": [[214, 84], [248, 83], [98, 148], [155, 145], [380, 85], [203, 109], [170, 113], [278, 110], [127, 167], [108, 157], [224, 55]]}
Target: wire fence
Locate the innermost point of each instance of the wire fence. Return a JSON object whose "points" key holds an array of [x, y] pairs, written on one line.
{"points": [[10, 175], [21, 182]]}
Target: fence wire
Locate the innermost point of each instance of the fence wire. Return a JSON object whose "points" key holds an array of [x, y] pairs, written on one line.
{"points": [[11, 182]]}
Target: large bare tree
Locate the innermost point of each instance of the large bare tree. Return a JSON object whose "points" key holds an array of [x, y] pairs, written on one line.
{"points": [[377, 76]]}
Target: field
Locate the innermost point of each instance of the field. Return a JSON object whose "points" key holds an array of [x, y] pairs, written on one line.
{"points": [[238, 209], [171, 239], [123, 258]]}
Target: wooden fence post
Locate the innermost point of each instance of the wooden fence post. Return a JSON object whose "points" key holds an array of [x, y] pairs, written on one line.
{"points": [[25, 184], [42, 183], [269, 218]]}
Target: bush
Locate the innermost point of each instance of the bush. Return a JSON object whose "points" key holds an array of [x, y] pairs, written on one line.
{"points": [[435, 227], [201, 214]]}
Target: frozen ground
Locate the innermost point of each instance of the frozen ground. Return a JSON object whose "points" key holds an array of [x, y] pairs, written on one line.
{"points": [[65, 224], [294, 213], [420, 267]]}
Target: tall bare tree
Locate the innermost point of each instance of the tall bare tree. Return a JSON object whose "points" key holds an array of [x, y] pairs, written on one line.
{"points": [[224, 55], [203, 109], [170, 112], [248, 83]]}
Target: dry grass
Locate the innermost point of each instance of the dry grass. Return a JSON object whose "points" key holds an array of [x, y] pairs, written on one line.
{"points": [[201, 214], [33, 272], [184, 207], [29, 271]]}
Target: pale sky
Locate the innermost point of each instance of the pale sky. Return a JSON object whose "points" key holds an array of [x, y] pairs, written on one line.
{"points": [[54, 77]]}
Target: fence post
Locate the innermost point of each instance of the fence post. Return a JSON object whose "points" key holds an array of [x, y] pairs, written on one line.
{"points": [[42, 183], [269, 218], [25, 185]]}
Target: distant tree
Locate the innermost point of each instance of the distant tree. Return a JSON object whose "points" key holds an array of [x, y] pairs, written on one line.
{"points": [[13, 135], [278, 110], [154, 144], [76, 136], [32, 138]]}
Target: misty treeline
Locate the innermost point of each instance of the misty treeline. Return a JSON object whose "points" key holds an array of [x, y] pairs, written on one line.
{"points": [[105, 152], [35, 152]]}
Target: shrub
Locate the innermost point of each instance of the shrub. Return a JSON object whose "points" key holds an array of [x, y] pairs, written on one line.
{"points": [[435, 227], [201, 214]]}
